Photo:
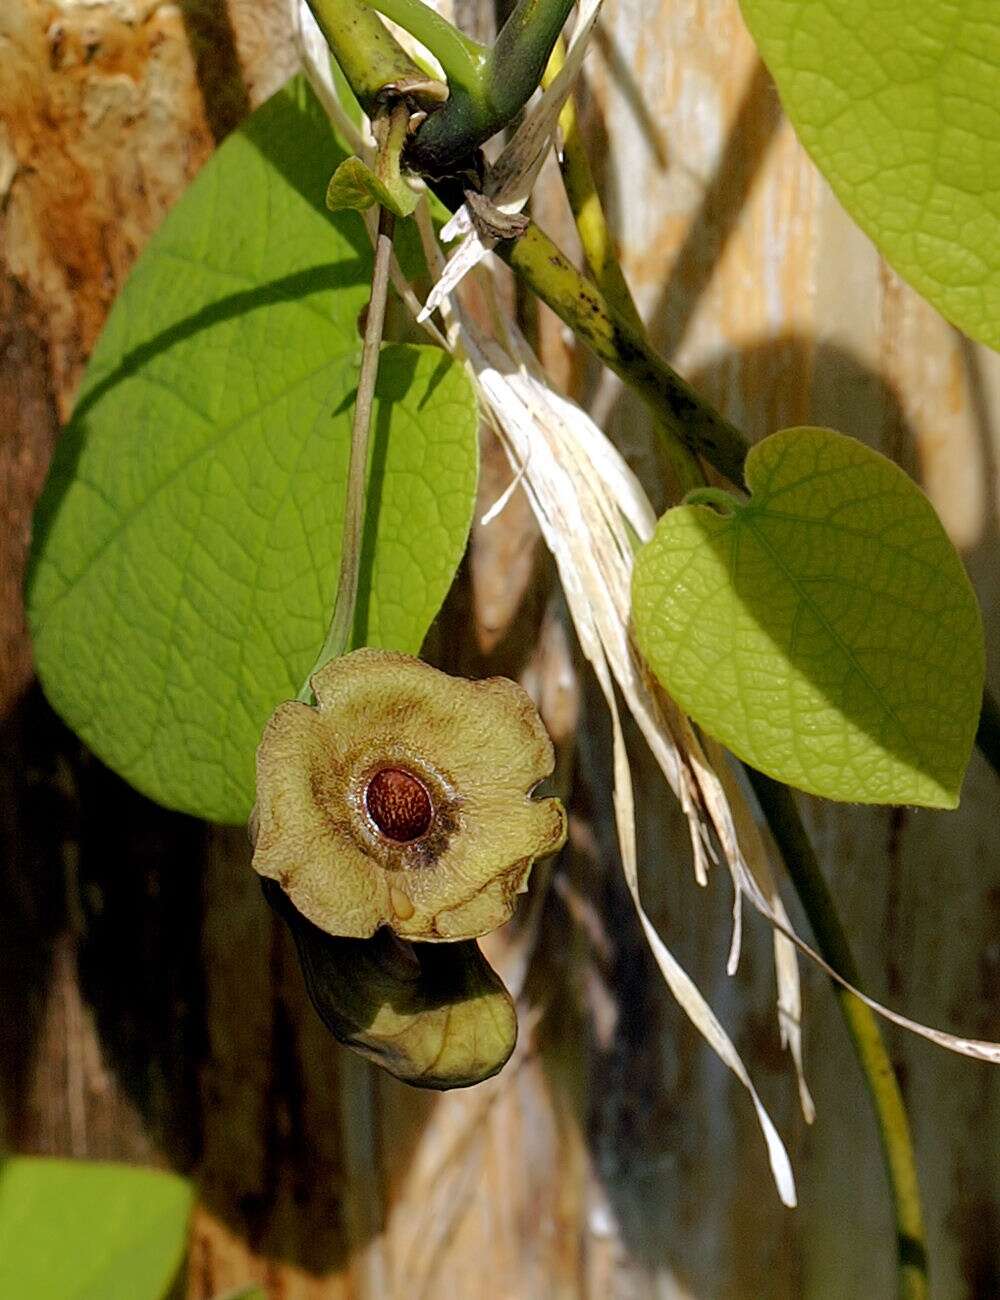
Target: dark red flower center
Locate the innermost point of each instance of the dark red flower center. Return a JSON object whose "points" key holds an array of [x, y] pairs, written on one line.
{"points": [[398, 804]]}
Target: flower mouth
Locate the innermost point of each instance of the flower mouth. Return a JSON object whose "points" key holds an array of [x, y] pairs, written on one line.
{"points": [[399, 805]]}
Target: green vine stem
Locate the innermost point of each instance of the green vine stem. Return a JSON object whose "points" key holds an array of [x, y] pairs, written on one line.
{"points": [[680, 412], [369, 55], [372, 59], [782, 815], [487, 87], [614, 334], [776, 801], [338, 637], [521, 52], [463, 60], [447, 141]]}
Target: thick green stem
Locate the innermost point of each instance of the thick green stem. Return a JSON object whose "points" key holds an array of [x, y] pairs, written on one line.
{"points": [[522, 50], [464, 61], [371, 59], [786, 826], [369, 55], [575, 300], [446, 142], [618, 339]]}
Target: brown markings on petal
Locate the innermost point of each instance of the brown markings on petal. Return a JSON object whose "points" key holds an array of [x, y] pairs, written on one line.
{"points": [[327, 785]]}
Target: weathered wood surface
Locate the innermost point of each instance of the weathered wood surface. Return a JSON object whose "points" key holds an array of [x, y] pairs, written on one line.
{"points": [[152, 1011]]}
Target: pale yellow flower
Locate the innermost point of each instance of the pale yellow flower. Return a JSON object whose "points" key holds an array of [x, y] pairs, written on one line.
{"points": [[404, 799]]}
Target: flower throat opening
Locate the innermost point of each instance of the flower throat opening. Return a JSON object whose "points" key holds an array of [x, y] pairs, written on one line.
{"points": [[399, 804]]}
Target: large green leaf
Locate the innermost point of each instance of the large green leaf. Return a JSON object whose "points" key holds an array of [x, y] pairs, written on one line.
{"points": [[187, 543], [899, 105], [825, 630], [72, 1230]]}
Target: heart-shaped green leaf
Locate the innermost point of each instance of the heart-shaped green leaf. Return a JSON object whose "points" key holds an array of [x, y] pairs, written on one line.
{"points": [[356, 187], [826, 630], [75, 1230], [899, 106], [188, 541]]}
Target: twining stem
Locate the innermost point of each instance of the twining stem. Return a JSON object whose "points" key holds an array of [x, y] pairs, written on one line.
{"points": [[371, 58], [791, 837], [447, 141], [776, 801], [462, 59], [604, 317], [369, 55], [338, 637], [599, 250], [522, 49], [681, 413]]}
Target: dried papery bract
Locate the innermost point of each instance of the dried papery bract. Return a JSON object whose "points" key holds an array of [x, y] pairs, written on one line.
{"points": [[404, 799], [433, 1015]]}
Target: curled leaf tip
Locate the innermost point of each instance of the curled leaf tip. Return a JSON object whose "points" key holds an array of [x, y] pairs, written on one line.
{"points": [[403, 799]]}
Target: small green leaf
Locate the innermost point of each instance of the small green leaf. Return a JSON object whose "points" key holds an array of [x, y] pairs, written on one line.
{"points": [[899, 106], [826, 630], [356, 187], [188, 541], [74, 1230]]}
